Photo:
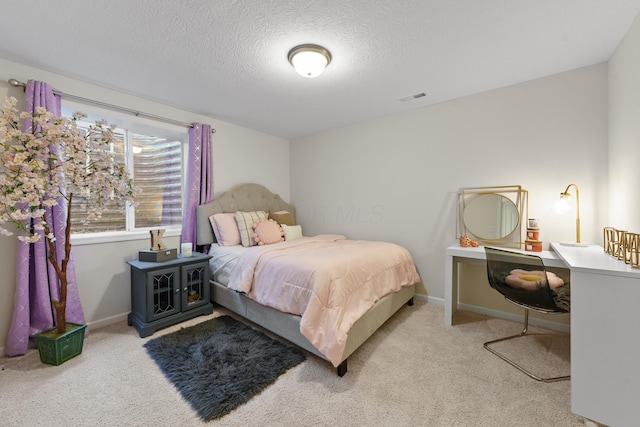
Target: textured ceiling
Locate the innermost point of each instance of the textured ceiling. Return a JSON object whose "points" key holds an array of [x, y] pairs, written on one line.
{"points": [[228, 58]]}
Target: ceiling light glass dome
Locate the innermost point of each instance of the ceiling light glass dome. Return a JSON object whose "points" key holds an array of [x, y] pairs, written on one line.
{"points": [[309, 60]]}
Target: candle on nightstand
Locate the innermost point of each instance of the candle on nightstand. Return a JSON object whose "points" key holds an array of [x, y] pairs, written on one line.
{"points": [[185, 249]]}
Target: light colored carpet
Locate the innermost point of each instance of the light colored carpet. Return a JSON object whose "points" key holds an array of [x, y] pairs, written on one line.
{"points": [[412, 372]]}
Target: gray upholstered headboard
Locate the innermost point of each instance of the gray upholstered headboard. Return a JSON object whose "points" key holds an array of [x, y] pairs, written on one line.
{"points": [[245, 198]]}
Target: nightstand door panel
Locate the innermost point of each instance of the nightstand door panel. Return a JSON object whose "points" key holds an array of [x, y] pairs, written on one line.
{"points": [[195, 285], [163, 293]]}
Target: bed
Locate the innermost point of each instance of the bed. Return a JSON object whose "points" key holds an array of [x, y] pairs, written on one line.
{"points": [[289, 325]]}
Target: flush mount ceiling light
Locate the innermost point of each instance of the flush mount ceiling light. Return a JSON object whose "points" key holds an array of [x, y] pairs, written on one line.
{"points": [[309, 60]]}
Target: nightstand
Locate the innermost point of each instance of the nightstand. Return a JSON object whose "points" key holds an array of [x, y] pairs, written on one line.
{"points": [[168, 292]]}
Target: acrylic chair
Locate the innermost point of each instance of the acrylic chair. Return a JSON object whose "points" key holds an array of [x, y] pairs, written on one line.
{"points": [[522, 289]]}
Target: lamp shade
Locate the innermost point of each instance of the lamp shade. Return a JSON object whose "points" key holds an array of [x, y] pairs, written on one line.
{"points": [[562, 205], [309, 60]]}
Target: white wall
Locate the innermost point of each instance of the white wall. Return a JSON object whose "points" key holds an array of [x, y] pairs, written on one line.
{"points": [[396, 178], [240, 155], [624, 132]]}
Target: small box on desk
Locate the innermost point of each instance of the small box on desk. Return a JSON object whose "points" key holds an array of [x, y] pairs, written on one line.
{"points": [[158, 256]]}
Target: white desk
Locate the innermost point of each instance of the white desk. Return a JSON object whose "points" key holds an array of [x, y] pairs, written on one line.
{"points": [[605, 339], [457, 254]]}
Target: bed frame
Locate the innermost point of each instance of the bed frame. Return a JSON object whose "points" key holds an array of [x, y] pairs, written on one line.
{"points": [[253, 197]]}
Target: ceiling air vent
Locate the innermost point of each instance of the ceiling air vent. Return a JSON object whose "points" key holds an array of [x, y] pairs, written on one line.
{"points": [[412, 97]]}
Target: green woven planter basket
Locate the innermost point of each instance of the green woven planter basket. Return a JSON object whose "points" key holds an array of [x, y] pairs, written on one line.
{"points": [[56, 349]]}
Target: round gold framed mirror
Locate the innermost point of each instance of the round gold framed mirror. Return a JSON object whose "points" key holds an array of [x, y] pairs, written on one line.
{"points": [[491, 216]]}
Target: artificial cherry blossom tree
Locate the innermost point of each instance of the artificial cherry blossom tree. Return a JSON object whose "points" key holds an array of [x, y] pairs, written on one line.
{"points": [[48, 165]]}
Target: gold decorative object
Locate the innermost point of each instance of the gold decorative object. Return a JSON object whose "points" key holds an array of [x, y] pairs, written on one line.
{"points": [[628, 238], [619, 246], [634, 250], [156, 239], [610, 242], [620, 250], [623, 245]]}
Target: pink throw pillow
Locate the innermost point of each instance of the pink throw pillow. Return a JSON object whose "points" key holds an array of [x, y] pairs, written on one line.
{"points": [[267, 231], [225, 228]]}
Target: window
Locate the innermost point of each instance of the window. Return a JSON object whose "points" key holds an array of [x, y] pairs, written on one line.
{"points": [[153, 152]]}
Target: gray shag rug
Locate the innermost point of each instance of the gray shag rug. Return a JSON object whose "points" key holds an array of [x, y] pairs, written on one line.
{"points": [[220, 364]]}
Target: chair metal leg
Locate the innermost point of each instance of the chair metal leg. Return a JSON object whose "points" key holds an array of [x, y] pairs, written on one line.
{"points": [[514, 364]]}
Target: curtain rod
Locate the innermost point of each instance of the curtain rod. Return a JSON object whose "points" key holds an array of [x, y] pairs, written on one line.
{"points": [[16, 83]]}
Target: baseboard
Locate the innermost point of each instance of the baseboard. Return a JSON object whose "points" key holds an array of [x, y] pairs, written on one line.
{"points": [[516, 317], [107, 321], [542, 323], [554, 326], [428, 299], [93, 325]]}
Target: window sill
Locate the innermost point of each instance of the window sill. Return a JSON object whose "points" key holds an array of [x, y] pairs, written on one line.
{"points": [[117, 236]]}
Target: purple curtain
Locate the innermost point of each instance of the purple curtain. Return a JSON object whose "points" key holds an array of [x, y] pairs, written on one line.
{"points": [[199, 179], [36, 280]]}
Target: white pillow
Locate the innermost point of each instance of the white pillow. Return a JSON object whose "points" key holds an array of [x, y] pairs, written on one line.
{"points": [[291, 232], [245, 222]]}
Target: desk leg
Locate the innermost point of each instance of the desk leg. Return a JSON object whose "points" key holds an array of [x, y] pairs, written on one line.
{"points": [[450, 289]]}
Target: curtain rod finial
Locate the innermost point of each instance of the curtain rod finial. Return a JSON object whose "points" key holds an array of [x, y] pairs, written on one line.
{"points": [[16, 83]]}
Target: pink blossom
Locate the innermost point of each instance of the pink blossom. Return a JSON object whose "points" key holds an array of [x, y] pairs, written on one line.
{"points": [[37, 170]]}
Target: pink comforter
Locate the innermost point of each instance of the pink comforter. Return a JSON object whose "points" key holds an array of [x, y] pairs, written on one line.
{"points": [[328, 280]]}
